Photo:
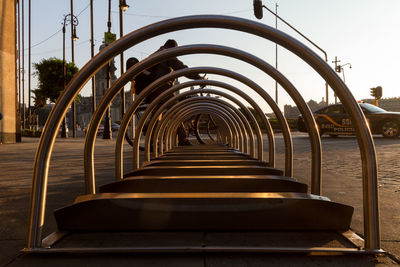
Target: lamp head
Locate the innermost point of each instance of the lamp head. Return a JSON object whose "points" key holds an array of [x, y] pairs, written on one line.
{"points": [[258, 12], [123, 5], [74, 36]]}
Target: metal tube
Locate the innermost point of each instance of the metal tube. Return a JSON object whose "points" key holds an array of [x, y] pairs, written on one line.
{"points": [[226, 130], [211, 120], [156, 114], [220, 50], [92, 55], [204, 112], [328, 251], [188, 84], [243, 107], [119, 138], [194, 109], [172, 129], [367, 148], [170, 121], [231, 111], [175, 88], [245, 127]]}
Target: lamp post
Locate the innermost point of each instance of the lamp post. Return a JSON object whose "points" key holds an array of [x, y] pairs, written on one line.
{"points": [[74, 22], [73, 38], [122, 7], [23, 66], [92, 55], [257, 4], [107, 119], [29, 65]]}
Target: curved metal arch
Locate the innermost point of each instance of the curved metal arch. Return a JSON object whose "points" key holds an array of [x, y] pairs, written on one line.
{"points": [[256, 88], [194, 49], [172, 103], [199, 103], [173, 106], [184, 94], [139, 127], [173, 128], [182, 103], [163, 136], [367, 148], [183, 112], [171, 131], [189, 110], [246, 127]]}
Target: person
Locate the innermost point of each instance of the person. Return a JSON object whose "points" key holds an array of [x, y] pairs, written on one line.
{"points": [[141, 80], [153, 73]]}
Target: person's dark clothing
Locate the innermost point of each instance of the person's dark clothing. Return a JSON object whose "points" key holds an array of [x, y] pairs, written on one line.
{"points": [[164, 68], [142, 79], [153, 73]]}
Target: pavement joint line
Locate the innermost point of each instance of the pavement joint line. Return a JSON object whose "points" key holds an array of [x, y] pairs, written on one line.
{"points": [[20, 254], [393, 257]]}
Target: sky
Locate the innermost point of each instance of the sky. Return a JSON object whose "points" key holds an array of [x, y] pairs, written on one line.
{"points": [[363, 33]]}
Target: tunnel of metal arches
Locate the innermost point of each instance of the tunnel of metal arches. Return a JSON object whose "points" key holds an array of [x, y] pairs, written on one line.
{"points": [[222, 182]]}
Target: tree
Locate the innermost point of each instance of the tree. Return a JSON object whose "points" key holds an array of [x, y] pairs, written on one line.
{"points": [[50, 79]]}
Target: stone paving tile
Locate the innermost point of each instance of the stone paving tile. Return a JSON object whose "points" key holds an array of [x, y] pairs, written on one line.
{"points": [[341, 182]]}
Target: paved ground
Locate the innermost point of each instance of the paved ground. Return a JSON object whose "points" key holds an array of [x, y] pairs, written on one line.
{"points": [[341, 182]]}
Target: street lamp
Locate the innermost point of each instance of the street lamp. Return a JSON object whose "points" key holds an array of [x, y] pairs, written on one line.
{"points": [[74, 22], [340, 68], [107, 118], [123, 6], [258, 13]]}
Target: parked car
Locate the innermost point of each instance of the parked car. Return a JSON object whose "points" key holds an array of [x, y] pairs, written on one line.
{"points": [[334, 121], [114, 126], [100, 131]]}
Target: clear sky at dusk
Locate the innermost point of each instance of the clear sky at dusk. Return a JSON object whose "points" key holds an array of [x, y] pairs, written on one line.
{"points": [[364, 33]]}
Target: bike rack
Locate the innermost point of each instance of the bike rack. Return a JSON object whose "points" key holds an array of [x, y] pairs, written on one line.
{"points": [[244, 125], [185, 94], [367, 149]]}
